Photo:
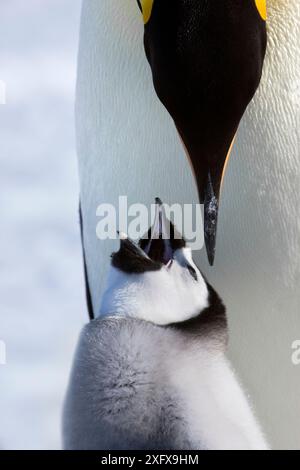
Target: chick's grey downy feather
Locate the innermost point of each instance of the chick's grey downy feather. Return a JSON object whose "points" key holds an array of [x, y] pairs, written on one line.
{"points": [[120, 394]]}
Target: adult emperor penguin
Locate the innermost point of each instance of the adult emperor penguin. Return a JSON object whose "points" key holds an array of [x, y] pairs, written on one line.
{"points": [[150, 372], [206, 59], [128, 145]]}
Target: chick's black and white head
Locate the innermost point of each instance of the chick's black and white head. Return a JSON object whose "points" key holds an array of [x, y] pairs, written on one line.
{"points": [[155, 279]]}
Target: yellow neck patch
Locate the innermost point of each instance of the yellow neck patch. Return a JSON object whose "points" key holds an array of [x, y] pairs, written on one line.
{"points": [[147, 9], [261, 5]]}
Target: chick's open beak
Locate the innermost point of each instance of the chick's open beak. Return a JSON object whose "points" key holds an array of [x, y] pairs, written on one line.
{"points": [[162, 239], [159, 247]]}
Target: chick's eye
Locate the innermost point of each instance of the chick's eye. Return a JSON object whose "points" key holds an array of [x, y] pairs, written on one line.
{"points": [[192, 272]]}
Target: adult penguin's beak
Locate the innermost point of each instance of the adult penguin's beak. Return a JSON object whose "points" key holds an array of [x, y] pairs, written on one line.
{"points": [[208, 159], [206, 60]]}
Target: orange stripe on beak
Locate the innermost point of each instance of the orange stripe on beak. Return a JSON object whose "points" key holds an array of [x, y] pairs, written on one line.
{"points": [[226, 161]]}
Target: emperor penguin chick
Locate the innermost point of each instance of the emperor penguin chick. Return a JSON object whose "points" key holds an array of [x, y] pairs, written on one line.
{"points": [[150, 372]]}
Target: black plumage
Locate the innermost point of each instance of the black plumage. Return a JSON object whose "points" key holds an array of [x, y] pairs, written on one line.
{"points": [[206, 59]]}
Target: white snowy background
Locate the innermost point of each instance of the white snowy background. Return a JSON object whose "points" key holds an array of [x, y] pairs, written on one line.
{"points": [[42, 304]]}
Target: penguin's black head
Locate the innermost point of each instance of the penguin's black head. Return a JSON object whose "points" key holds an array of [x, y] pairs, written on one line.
{"points": [[206, 58]]}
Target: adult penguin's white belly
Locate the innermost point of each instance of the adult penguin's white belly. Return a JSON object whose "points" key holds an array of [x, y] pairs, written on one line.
{"points": [[128, 145]]}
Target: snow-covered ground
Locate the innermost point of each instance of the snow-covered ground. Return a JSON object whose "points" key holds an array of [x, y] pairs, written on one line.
{"points": [[42, 304]]}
